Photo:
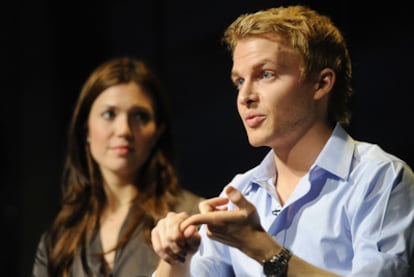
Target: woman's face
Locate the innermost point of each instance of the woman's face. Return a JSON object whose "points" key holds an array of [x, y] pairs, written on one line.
{"points": [[122, 130]]}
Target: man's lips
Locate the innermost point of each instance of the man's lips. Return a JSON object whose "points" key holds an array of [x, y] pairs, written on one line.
{"points": [[254, 120]]}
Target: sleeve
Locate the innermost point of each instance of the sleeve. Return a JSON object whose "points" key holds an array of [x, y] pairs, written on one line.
{"points": [[212, 258], [383, 225], [40, 259]]}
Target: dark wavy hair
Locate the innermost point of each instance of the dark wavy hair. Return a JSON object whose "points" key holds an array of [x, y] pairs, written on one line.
{"points": [[83, 195]]}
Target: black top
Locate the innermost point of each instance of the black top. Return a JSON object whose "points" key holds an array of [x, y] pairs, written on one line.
{"points": [[135, 259]]}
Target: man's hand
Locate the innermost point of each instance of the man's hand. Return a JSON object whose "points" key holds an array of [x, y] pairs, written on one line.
{"points": [[232, 227], [171, 242]]}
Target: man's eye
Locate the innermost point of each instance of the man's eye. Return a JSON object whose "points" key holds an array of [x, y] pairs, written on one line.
{"points": [[267, 74], [238, 83], [108, 115]]}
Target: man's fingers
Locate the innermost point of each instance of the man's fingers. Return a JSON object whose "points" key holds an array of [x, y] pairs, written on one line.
{"points": [[215, 217], [193, 238], [212, 204], [168, 240], [196, 219], [237, 198], [173, 257], [214, 213]]}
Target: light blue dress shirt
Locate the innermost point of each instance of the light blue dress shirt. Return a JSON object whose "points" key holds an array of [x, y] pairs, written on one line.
{"points": [[352, 214]]}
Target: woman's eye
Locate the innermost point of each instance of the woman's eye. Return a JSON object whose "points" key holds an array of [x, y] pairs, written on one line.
{"points": [[142, 117], [108, 115]]}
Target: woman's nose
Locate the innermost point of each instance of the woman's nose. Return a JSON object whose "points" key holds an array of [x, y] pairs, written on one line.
{"points": [[123, 126]]}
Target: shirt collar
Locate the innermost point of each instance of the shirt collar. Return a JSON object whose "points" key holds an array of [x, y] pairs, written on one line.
{"points": [[336, 156], [340, 144], [263, 175]]}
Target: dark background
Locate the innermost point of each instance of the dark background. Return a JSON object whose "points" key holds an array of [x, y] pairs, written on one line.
{"points": [[49, 47]]}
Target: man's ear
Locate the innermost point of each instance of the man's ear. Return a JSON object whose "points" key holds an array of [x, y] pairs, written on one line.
{"points": [[325, 82]]}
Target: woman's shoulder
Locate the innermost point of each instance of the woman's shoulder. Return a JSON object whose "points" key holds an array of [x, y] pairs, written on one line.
{"points": [[188, 202]]}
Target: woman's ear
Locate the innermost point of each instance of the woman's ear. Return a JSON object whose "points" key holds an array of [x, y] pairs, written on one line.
{"points": [[325, 83], [160, 131]]}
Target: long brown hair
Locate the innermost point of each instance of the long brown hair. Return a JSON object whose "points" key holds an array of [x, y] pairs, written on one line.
{"points": [[83, 195]]}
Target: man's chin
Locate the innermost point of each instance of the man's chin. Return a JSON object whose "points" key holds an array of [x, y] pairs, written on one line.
{"points": [[256, 143]]}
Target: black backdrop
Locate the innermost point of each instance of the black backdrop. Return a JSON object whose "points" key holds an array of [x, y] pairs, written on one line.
{"points": [[49, 47]]}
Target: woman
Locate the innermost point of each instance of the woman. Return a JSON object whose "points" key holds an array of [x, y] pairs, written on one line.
{"points": [[119, 178]]}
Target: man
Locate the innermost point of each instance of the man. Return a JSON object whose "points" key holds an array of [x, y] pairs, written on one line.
{"points": [[320, 203]]}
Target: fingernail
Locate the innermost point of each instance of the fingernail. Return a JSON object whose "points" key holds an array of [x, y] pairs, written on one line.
{"points": [[230, 190]]}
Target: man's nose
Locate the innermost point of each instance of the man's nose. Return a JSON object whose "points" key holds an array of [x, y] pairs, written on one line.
{"points": [[247, 93]]}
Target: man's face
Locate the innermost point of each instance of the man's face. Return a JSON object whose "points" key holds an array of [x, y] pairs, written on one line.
{"points": [[275, 105]]}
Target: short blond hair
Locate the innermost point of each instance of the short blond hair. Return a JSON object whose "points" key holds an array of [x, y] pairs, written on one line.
{"points": [[314, 37]]}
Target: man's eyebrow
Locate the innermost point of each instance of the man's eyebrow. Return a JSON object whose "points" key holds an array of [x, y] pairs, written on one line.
{"points": [[259, 64], [233, 74]]}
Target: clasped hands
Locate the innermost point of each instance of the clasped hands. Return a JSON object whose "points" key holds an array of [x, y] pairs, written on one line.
{"points": [[176, 236]]}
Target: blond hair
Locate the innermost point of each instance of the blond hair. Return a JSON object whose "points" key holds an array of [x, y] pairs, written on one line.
{"points": [[314, 37]]}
